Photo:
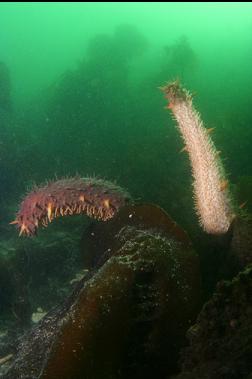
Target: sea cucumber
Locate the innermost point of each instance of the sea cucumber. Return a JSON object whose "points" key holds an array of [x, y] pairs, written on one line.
{"points": [[94, 197], [211, 193]]}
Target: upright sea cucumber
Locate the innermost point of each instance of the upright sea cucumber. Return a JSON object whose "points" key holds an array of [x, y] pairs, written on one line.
{"points": [[94, 197], [211, 193]]}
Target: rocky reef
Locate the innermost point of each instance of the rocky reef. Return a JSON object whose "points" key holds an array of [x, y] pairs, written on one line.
{"points": [[139, 289], [221, 340], [128, 317]]}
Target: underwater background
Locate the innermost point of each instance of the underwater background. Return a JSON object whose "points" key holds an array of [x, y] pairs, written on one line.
{"points": [[79, 94]]}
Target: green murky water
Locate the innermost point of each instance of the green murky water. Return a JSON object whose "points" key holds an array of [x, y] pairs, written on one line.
{"points": [[79, 93]]}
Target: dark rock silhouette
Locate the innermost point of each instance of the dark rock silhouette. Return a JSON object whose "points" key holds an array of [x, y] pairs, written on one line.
{"points": [[127, 318]]}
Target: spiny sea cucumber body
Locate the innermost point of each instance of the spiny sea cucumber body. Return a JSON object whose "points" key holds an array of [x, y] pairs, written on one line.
{"points": [[211, 194], [94, 197]]}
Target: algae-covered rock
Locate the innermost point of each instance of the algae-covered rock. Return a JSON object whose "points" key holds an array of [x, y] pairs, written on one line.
{"points": [[127, 319], [241, 242], [221, 340], [99, 238]]}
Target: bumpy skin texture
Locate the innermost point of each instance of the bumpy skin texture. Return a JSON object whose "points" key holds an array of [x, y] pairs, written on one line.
{"points": [[212, 200], [96, 198], [221, 340]]}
